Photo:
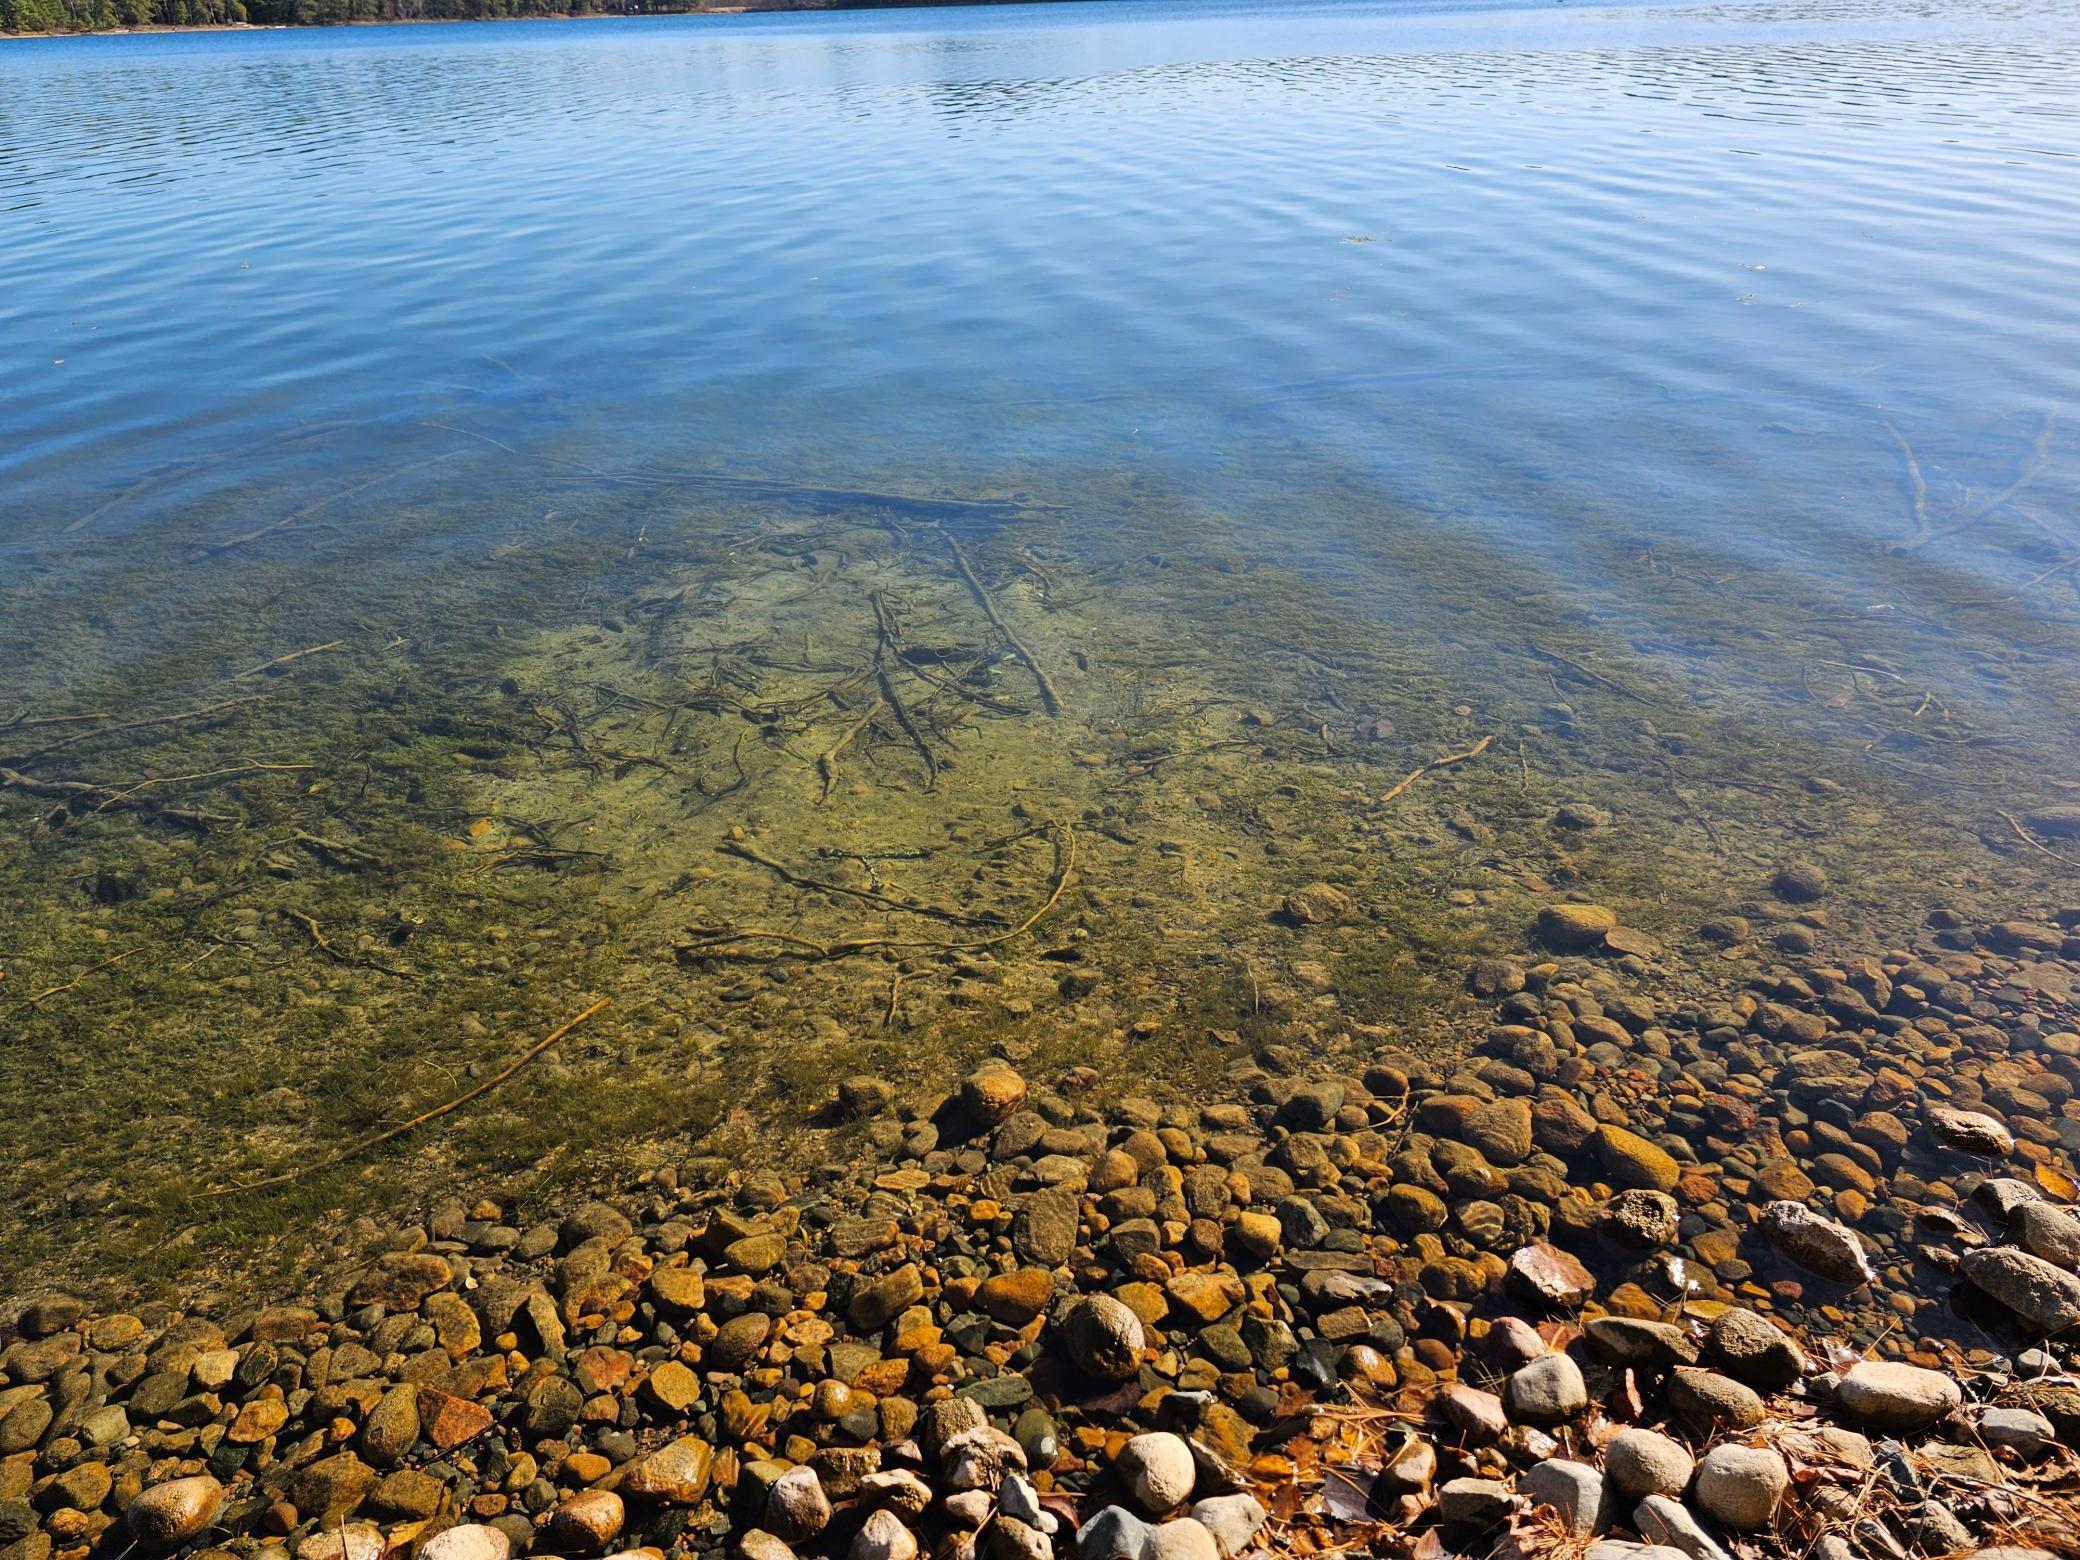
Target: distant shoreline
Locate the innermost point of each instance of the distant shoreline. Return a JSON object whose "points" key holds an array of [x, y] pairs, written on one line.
{"points": [[430, 21]]}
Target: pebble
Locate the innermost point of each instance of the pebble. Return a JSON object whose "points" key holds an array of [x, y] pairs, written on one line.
{"points": [[172, 1513], [1643, 1462], [796, 1506], [1546, 1391], [1574, 1490], [883, 1537], [1233, 1520], [1104, 1337], [1742, 1485], [1157, 1470], [1888, 1395]]}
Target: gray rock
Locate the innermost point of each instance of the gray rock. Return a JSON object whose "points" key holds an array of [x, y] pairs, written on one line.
{"points": [[2023, 1429], [2045, 1296], [1574, 1491], [1752, 1349], [1475, 1503], [1233, 1520], [1663, 1520], [1934, 1529], [1644, 1462], [796, 1506], [1969, 1131], [2048, 1232], [1157, 1470], [1887, 1395], [1705, 1394], [1547, 1390], [1817, 1244], [1113, 1534], [1742, 1485], [1181, 1538]]}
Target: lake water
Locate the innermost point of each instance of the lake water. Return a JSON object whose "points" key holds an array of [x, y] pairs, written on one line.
{"points": [[1679, 397]]}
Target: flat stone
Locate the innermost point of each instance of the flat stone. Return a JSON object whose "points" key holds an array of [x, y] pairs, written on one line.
{"points": [[1969, 1131], [1543, 1272], [2044, 1295], [1631, 1161], [468, 1541], [1573, 1490], [1817, 1244], [1664, 1520], [877, 1303], [1642, 1462], [1233, 1520], [1475, 1504], [2044, 1230], [1547, 1390], [400, 1280], [675, 1474], [2023, 1429], [1887, 1395]]}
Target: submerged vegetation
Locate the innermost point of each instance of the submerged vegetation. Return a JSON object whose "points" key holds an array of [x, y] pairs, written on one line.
{"points": [[355, 798]]}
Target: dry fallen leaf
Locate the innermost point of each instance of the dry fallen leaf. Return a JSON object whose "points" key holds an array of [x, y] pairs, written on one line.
{"points": [[2058, 1183]]}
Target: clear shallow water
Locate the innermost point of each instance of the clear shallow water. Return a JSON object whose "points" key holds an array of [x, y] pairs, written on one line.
{"points": [[1678, 395]]}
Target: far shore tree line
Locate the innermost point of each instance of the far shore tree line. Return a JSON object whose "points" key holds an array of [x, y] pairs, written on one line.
{"points": [[103, 15]]}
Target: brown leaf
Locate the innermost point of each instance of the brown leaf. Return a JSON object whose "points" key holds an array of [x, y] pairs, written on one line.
{"points": [[2058, 1183], [1348, 1495]]}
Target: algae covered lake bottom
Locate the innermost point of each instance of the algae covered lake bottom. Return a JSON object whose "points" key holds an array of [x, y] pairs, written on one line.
{"points": [[997, 573]]}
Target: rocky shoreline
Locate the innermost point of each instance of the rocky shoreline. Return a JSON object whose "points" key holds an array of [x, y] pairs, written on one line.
{"points": [[1791, 1268]]}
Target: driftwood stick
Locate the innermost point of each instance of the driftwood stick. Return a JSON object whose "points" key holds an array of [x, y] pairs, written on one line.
{"points": [[887, 901], [377, 1140], [2034, 843], [52, 991], [22, 718], [2040, 456], [290, 659], [1917, 491], [203, 713], [884, 625], [827, 760], [727, 943], [1048, 696], [1448, 760]]}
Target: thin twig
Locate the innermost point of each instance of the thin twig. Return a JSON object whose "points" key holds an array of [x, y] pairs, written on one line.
{"points": [[1449, 759], [1048, 696], [293, 656], [2032, 841], [376, 1140]]}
